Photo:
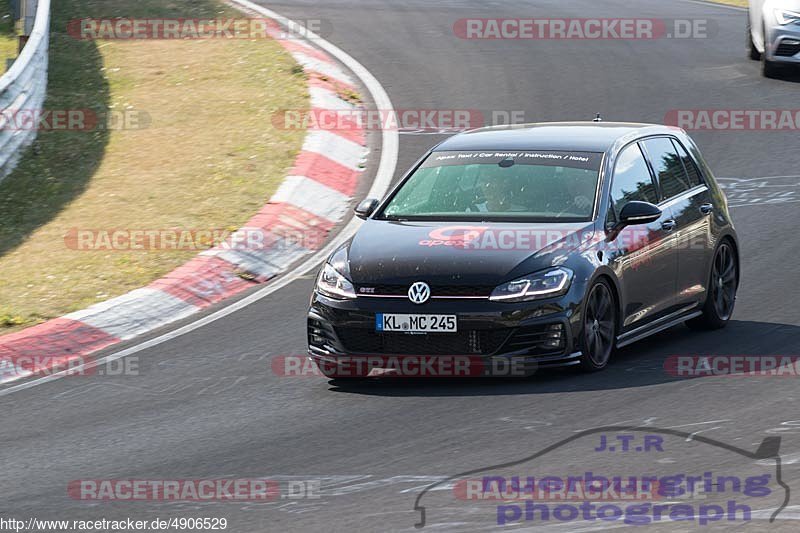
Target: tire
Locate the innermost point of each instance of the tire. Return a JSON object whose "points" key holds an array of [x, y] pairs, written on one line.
{"points": [[752, 51], [599, 329], [768, 68], [722, 287]]}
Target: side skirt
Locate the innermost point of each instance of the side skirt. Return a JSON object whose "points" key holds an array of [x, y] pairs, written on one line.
{"points": [[659, 325]]}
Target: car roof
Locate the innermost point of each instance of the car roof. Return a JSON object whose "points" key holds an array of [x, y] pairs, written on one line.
{"points": [[571, 136]]}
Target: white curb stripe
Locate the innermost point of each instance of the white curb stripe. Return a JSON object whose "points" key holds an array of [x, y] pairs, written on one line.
{"points": [[325, 99], [10, 372], [134, 313], [265, 264], [326, 69], [290, 36], [336, 148], [313, 196]]}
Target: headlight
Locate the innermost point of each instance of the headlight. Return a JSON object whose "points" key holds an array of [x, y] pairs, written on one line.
{"points": [[334, 285], [786, 17], [544, 284]]}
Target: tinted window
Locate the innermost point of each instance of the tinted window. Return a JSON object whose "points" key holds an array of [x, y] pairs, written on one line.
{"points": [[632, 180], [668, 167], [688, 164]]}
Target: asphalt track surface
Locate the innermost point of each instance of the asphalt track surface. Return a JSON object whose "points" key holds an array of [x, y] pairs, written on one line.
{"points": [[208, 405]]}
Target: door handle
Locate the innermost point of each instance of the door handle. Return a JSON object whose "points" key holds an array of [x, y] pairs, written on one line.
{"points": [[706, 208], [668, 225]]}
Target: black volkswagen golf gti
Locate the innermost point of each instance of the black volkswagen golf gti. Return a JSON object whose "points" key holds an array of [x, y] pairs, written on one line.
{"points": [[550, 243]]}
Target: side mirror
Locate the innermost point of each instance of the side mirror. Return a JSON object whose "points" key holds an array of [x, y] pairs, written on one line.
{"points": [[366, 208], [638, 213]]}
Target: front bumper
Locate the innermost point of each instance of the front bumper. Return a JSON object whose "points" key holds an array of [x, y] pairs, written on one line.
{"points": [[494, 337], [783, 44]]}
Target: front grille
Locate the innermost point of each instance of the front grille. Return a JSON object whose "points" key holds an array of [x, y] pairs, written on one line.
{"points": [[443, 291], [544, 339], [788, 48], [476, 290], [470, 342], [383, 290]]}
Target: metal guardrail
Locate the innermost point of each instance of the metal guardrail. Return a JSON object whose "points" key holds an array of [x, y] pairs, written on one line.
{"points": [[23, 88]]}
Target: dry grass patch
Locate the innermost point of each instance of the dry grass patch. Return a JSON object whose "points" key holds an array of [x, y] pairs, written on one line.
{"points": [[209, 157], [740, 3]]}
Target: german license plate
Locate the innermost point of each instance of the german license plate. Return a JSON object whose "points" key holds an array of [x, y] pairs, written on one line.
{"points": [[416, 323]]}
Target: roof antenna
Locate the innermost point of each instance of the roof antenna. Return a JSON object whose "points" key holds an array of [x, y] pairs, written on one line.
{"points": [[598, 118]]}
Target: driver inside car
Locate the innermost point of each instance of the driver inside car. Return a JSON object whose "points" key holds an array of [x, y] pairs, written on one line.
{"points": [[495, 195]]}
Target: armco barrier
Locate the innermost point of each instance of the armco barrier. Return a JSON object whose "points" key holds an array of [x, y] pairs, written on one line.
{"points": [[24, 87]]}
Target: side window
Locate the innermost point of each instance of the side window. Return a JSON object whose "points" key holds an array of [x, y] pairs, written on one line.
{"points": [[668, 167], [632, 180], [688, 164]]}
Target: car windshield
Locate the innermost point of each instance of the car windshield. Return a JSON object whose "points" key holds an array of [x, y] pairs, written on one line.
{"points": [[535, 186]]}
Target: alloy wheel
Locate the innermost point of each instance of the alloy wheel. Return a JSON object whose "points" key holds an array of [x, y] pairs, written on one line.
{"points": [[723, 279], [599, 325]]}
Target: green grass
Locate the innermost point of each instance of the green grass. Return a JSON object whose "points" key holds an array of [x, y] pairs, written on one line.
{"points": [[8, 37]]}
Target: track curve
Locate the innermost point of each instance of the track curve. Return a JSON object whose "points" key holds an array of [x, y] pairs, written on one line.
{"points": [[208, 405]]}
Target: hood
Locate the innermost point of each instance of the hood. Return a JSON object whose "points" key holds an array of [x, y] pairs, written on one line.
{"points": [[791, 5], [450, 254]]}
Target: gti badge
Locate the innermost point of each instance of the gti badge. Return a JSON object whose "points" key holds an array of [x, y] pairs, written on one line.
{"points": [[419, 292]]}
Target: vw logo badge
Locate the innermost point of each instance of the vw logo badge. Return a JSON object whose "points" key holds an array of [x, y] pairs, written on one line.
{"points": [[419, 292]]}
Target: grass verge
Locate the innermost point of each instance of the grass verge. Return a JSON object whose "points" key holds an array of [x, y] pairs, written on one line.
{"points": [[8, 37], [739, 3], [206, 157]]}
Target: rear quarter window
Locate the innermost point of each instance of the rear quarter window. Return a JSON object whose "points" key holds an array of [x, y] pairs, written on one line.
{"points": [[688, 164], [668, 167]]}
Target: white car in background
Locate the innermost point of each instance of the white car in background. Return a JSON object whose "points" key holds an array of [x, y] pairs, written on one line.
{"points": [[773, 33]]}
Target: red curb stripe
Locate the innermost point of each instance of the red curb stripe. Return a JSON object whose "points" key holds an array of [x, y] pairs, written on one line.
{"points": [[203, 281], [326, 171], [350, 130], [294, 222], [273, 212], [335, 86], [52, 344], [313, 74], [292, 46], [290, 223]]}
